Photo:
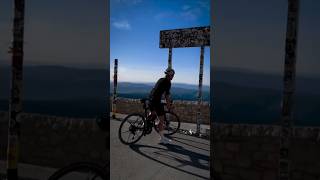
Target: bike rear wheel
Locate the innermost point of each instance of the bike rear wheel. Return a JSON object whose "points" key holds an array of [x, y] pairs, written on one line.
{"points": [[172, 123], [79, 171], [131, 128]]}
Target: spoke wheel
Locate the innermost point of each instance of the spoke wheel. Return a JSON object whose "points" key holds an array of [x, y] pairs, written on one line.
{"points": [[171, 123], [131, 128]]}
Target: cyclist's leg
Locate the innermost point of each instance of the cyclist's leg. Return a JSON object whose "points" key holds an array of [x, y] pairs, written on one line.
{"points": [[153, 114], [161, 125], [160, 114]]}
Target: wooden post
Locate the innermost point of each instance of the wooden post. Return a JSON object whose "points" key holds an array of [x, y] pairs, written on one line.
{"points": [[170, 58], [200, 90], [288, 91], [115, 84], [15, 104]]}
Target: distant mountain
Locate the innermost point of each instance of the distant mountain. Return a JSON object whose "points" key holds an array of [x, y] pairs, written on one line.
{"points": [[186, 86], [239, 96], [57, 83], [142, 90], [304, 84]]}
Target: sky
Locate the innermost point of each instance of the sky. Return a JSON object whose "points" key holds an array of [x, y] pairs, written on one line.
{"points": [[250, 34], [135, 26], [66, 33]]}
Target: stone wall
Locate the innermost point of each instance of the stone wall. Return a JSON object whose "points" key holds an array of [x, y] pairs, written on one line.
{"points": [[186, 110], [56, 141], [252, 152]]}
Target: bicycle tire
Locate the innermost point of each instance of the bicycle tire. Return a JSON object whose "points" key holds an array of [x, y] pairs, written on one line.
{"points": [[122, 123], [77, 168], [177, 121]]}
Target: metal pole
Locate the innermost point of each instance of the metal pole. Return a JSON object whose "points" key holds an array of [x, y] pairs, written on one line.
{"points": [[200, 91], [212, 153], [170, 58], [115, 84], [15, 105], [289, 86]]}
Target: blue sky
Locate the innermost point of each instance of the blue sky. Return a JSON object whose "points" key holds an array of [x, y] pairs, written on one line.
{"points": [[134, 39]]}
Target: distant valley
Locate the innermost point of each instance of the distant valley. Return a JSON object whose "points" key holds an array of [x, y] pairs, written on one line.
{"points": [[239, 96]]}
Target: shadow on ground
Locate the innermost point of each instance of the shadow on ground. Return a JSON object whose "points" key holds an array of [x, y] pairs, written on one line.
{"points": [[171, 152]]}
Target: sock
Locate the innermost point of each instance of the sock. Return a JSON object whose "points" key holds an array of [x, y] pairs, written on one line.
{"points": [[161, 134]]}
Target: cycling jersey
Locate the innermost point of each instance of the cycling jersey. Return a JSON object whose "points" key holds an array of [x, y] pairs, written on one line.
{"points": [[162, 87]]}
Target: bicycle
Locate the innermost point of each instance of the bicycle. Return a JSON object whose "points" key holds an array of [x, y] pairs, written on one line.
{"points": [[86, 170], [139, 125]]}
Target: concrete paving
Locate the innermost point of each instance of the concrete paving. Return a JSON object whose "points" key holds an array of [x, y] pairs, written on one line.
{"points": [[28, 171], [186, 157]]}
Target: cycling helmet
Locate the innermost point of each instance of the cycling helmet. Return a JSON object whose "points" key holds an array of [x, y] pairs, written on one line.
{"points": [[169, 71]]}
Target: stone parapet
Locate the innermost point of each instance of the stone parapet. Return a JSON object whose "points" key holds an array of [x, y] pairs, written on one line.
{"points": [[246, 151], [186, 110], [56, 141]]}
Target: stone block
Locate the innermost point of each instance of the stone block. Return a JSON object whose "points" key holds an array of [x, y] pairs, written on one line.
{"points": [[260, 156], [270, 175], [250, 146], [228, 177], [217, 165], [231, 170], [269, 147], [250, 175], [244, 162], [310, 177], [296, 175], [233, 147]]}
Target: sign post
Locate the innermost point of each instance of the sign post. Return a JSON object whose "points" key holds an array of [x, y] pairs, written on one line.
{"points": [[289, 86], [200, 90], [15, 105], [115, 84], [189, 37], [170, 58]]}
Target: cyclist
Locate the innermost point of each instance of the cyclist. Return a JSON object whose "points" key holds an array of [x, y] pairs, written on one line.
{"points": [[162, 86]]}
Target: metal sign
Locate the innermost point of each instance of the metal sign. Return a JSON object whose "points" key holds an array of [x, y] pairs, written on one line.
{"points": [[189, 37]]}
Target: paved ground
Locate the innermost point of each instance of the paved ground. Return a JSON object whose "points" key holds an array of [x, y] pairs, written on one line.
{"points": [[28, 171], [186, 158]]}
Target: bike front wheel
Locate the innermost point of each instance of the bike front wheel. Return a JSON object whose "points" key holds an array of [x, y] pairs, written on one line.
{"points": [[78, 171], [131, 128]]}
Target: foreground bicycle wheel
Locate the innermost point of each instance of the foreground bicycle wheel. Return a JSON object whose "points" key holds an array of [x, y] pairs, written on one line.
{"points": [[80, 171], [172, 123], [131, 128]]}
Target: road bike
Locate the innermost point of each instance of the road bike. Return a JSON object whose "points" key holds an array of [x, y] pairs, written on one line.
{"points": [[94, 171], [136, 125]]}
